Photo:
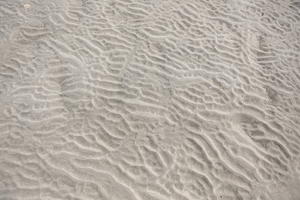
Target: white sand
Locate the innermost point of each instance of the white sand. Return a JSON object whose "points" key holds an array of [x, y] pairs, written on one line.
{"points": [[150, 99]]}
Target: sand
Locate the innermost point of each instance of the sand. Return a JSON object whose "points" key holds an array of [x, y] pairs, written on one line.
{"points": [[150, 100]]}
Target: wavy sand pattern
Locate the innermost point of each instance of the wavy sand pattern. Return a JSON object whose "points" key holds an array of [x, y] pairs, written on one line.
{"points": [[149, 100]]}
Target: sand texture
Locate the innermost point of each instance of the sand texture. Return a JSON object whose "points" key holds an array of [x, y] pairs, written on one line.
{"points": [[149, 100]]}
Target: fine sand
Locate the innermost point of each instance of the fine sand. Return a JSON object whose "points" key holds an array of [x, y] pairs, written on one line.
{"points": [[149, 100]]}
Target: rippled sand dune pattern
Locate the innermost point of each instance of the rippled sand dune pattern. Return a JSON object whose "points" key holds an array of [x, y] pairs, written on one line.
{"points": [[149, 100]]}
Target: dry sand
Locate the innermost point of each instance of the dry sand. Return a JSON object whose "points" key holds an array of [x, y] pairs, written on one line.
{"points": [[150, 99]]}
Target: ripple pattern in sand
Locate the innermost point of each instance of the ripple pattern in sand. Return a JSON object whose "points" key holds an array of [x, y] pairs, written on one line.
{"points": [[149, 100]]}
